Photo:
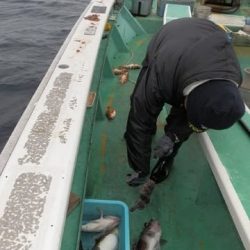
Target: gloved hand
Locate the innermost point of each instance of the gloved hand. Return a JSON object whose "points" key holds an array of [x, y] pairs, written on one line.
{"points": [[161, 170], [164, 147]]}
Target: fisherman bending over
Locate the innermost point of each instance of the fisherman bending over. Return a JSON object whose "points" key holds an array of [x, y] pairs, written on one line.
{"points": [[191, 65]]}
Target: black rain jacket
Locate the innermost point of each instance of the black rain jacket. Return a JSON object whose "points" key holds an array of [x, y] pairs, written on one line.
{"points": [[182, 52]]}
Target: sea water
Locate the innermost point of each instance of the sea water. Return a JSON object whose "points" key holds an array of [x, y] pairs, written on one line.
{"points": [[31, 33]]}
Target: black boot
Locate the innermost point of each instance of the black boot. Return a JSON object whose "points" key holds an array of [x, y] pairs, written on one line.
{"points": [[161, 170], [136, 179]]}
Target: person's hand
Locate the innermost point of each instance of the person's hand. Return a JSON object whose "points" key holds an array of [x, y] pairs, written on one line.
{"points": [[164, 147]]}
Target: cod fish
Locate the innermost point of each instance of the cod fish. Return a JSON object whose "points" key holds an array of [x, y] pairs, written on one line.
{"points": [[103, 224], [108, 241], [150, 236]]}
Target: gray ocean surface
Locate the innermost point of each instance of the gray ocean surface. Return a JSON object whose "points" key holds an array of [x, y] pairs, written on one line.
{"points": [[31, 33]]}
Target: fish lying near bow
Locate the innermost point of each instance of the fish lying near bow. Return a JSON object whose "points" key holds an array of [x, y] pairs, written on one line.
{"points": [[150, 236], [125, 67], [145, 194], [103, 224], [122, 71]]}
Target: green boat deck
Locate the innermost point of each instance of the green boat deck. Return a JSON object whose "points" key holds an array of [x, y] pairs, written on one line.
{"points": [[189, 204]]}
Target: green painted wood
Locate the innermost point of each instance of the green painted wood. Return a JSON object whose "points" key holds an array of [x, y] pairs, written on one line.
{"points": [[116, 44], [128, 26]]}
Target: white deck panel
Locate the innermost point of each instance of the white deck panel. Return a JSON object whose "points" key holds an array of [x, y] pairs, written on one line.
{"points": [[230, 194], [36, 181]]}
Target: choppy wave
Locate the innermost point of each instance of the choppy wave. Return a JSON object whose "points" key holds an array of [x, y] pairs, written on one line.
{"points": [[31, 33]]}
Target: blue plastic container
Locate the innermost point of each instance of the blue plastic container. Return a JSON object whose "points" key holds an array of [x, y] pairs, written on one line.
{"points": [[91, 211]]}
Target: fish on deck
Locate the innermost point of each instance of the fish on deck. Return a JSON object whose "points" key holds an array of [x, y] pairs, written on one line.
{"points": [[145, 194], [150, 236]]}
